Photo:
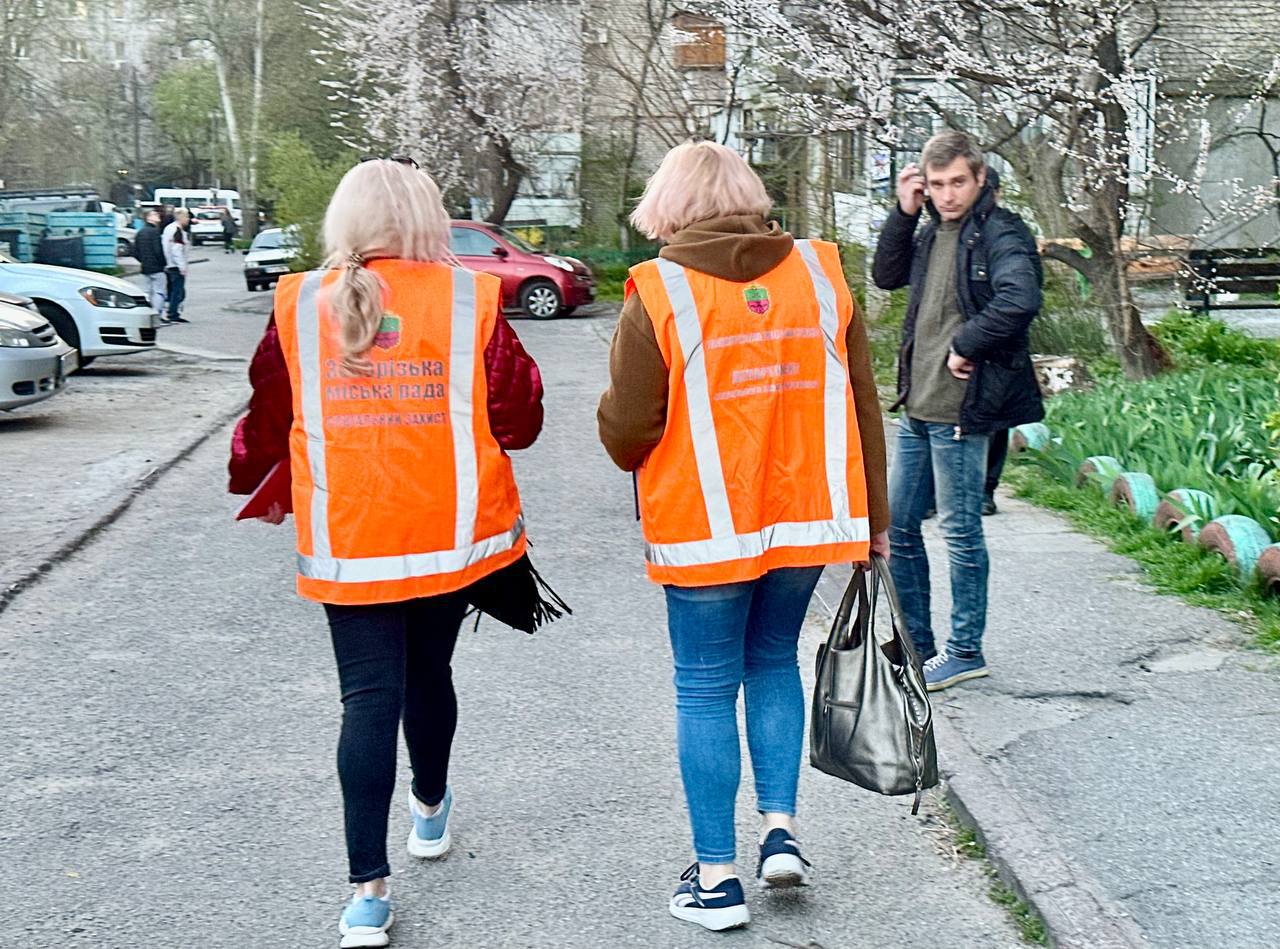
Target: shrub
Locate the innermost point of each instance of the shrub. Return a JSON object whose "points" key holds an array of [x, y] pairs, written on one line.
{"points": [[1196, 340]]}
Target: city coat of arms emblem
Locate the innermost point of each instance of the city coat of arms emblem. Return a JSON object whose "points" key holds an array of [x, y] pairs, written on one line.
{"points": [[757, 298], [388, 332]]}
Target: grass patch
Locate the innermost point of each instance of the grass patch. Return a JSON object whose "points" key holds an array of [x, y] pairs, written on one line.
{"points": [[966, 843], [1169, 565]]}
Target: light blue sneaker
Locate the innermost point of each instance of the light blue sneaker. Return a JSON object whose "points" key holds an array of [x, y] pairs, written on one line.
{"points": [[365, 922], [429, 838], [944, 671]]}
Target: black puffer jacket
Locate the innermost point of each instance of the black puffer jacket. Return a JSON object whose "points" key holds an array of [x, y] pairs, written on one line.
{"points": [[149, 250], [998, 280]]}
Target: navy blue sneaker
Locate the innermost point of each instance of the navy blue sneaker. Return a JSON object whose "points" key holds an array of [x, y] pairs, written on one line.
{"points": [[724, 907], [944, 671], [781, 865], [365, 922]]}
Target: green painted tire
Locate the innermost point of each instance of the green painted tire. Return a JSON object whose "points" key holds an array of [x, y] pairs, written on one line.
{"points": [[1241, 540], [1269, 569], [1098, 471], [1181, 502], [1137, 491], [1034, 435]]}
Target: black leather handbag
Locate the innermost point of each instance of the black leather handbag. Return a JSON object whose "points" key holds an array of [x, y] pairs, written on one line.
{"points": [[872, 723]]}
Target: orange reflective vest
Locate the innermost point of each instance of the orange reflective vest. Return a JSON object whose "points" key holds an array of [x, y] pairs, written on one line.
{"points": [[399, 488], [760, 465]]}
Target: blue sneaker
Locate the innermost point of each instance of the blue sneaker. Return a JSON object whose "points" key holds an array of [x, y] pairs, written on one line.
{"points": [[429, 838], [781, 865], [944, 671], [365, 922], [725, 907]]}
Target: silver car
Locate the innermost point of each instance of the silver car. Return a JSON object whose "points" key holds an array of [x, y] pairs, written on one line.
{"points": [[34, 361]]}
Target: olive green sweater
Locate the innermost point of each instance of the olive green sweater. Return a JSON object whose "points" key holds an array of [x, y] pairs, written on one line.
{"points": [[633, 411]]}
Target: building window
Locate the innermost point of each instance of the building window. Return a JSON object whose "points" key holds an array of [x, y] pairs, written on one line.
{"points": [[120, 11], [77, 9], [18, 47], [699, 42], [73, 50], [119, 51]]}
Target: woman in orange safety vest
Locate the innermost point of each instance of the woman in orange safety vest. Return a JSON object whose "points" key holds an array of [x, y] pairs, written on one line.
{"points": [[389, 386], [742, 396]]}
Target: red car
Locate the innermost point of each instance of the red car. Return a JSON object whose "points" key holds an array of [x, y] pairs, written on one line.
{"points": [[542, 285]]}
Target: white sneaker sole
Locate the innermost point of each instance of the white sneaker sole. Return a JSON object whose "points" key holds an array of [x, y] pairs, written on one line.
{"points": [[957, 679], [783, 871], [717, 920], [364, 937], [428, 849]]}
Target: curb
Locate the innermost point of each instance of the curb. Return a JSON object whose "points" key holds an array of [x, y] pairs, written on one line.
{"points": [[1073, 908], [80, 540]]}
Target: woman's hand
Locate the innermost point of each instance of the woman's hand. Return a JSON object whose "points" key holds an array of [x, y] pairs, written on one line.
{"points": [[880, 545]]}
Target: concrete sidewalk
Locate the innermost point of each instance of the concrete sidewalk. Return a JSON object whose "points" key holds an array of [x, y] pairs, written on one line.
{"points": [[1120, 760]]}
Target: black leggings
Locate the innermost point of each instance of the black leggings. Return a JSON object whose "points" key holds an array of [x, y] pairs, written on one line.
{"points": [[393, 663]]}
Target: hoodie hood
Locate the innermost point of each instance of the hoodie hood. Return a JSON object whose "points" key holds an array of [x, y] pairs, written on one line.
{"points": [[740, 247]]}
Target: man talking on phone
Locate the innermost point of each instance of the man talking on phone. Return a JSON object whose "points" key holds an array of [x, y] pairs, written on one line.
{"points": [[964, 371]]}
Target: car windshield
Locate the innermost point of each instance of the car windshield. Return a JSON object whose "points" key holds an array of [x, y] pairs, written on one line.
{"points": [[209, 215], [269, 240], [514, 238]]}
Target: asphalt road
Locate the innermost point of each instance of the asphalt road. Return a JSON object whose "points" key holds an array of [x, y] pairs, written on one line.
{"points": [[171, 710]]}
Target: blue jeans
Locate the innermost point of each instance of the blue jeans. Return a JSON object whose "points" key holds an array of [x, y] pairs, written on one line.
{"points": [[931, 460], [722, 638], [177, 292]]}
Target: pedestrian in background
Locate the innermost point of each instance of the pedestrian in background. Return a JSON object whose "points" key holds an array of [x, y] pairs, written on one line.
{"points": [[965, 372], [741, 393], [176, 243], [149, 248], [229, 231], [404, 494]]}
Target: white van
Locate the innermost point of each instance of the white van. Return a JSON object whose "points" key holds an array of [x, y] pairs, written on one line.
{"points": [[200, 198]]}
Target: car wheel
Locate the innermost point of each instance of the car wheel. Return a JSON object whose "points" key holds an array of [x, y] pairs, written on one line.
{"points": [[541, 300], [251, 285], [123, 248], [63, 324]]}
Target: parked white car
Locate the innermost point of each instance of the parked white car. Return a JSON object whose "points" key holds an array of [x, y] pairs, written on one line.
{"points": [[267, 258], [34, 362], [206, 225], [96, 314]]}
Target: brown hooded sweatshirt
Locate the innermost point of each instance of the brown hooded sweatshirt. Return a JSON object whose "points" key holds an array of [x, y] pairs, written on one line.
{"points": [[633, 411]]}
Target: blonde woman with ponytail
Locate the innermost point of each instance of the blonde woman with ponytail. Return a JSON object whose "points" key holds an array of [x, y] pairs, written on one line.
{"points": [[387, 391]]}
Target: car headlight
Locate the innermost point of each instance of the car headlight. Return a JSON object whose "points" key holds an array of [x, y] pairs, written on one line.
{"points": [[18, 339], [559, 262], [101, 296]]}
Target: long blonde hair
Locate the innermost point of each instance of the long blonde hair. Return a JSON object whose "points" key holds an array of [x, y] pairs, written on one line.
{"points": [[380, 208]]}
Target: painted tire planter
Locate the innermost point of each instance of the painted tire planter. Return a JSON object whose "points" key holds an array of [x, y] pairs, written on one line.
{"points": [[1178, 504], [1136, 491], [1241, 540], [1031, 435], [1098, 470], [1269, 569]]}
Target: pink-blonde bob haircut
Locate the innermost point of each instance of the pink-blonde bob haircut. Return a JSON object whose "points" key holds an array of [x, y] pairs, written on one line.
{"points": [[697, 181]]}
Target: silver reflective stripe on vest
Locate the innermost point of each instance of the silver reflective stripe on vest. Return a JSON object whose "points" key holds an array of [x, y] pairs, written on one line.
{"points": [[691, 553], [308, 328], [462, 358], [835, 408], [321, 564], [725, 543], [706, 447], [406, 566]]}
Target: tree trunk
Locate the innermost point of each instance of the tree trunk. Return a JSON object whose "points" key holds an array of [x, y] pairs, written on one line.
{"points": [[506, 182], [1141, 355], [249, 189]]}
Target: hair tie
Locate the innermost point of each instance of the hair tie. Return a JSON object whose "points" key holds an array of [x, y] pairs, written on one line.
{"points": [[354, 260]]}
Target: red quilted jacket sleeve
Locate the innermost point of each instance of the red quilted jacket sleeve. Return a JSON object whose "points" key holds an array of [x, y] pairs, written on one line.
{"points": [[262, 437], [515, 389]]}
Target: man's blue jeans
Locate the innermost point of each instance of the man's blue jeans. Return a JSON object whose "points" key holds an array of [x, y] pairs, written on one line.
{"points": [[929, 457], [725, 637]]}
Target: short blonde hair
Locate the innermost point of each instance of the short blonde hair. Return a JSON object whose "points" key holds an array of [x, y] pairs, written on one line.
{"points": [[697, 181], [380, 208]]}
